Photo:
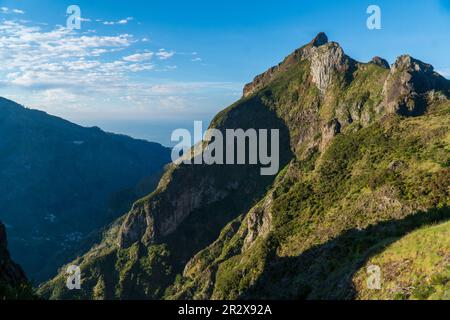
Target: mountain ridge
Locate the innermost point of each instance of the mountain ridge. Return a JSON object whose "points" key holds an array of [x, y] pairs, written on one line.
{"points": [[351, 158]]}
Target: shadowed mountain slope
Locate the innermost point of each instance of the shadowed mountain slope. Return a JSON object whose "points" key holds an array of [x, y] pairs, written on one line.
{"points": [[13, 282], [60, 182]]}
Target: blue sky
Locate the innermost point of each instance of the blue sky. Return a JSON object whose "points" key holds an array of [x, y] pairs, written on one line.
{"points": [[146, 67]]}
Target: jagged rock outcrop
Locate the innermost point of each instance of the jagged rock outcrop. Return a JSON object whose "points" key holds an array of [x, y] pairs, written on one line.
{"points": [[184, 188], [380, 62], [137, 225], [327, 62], [329, 131], [319, 40], [258, 222], [263, 79], [409, 79]]}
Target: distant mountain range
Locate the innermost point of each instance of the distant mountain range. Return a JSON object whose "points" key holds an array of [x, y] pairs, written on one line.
{"points": [[363, 182], [60, 183]]}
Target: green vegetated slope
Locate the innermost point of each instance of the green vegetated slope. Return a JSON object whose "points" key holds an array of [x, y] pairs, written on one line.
{"points": [[325, 220], [415, 267], [364, 162]]}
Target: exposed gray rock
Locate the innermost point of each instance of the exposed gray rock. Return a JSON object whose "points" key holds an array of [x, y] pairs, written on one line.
{"points": [[409, 79], [258, 222], [326, 61], [302, 53], [380, 62], [158, 217], [329, 131], [319, 40], [139, 222], [61, 182]]}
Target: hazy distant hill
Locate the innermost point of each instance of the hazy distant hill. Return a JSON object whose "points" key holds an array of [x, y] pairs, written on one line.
{"points": [[60, 181]]}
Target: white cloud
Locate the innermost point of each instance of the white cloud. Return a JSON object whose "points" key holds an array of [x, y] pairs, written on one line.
{"points": [[138, 57], [164, 55], [67, 73], [7, 10], [60, 58], [122, 21]]}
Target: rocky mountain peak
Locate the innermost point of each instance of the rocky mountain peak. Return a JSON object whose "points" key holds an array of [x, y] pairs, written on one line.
{"points": [[327, 60], [327, 57], [319, 40], [408, 82], [380, 62], [408, 63]]}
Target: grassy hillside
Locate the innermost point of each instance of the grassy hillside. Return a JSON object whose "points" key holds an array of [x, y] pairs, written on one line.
{"points": [[415, 267]]}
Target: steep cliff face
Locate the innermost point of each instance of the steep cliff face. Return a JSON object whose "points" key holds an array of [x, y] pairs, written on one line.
{"points": [[408, 84], [13, 282], [152, 220], [349, 159], [186, 190]]}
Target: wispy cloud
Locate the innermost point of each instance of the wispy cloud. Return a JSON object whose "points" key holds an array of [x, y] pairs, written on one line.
{"points": [[122, 21], [138, 57], [62, 59], [81, 73], [57, 58], [6, 10], [163, 54]]}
